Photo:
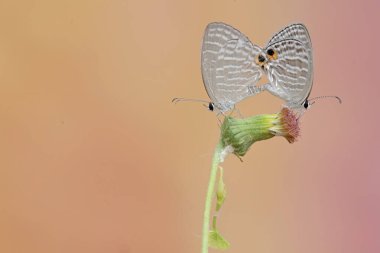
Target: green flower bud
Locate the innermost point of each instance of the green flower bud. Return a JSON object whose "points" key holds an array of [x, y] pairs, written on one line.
{"points": [[237, 135]]}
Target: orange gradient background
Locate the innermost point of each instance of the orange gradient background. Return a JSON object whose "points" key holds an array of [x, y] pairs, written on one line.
{"points": [[94, 157]]}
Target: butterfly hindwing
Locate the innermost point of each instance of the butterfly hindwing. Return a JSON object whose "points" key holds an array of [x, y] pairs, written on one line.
{"points": [[229, 70], [284, 83], [289, 72]]}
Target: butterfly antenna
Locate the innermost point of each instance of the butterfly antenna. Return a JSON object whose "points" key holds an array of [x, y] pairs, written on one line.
{"points": [[336, 97], [176, 100]]}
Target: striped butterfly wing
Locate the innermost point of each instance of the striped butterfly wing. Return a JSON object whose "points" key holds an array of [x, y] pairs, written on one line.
{"points": [[229, 70], [295, 32], [289, 72], [299, 33]]}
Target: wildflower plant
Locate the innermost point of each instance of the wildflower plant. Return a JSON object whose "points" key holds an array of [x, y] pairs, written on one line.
{"points": [[237, 136]]}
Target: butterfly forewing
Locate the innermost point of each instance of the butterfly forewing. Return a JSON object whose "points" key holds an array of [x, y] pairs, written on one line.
{"points": [[229, 70], [294, 32], [290, 73]]}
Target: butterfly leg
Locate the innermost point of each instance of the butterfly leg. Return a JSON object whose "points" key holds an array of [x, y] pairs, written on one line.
{"points": [[218, 115], [234, 110], [237, 112], [219, 121]]}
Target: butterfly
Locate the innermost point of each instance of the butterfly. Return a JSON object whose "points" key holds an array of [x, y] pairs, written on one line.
{"points": [[232, 66]]}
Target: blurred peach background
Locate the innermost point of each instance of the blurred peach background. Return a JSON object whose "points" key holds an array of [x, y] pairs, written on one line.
{"points": [[95, 158]]}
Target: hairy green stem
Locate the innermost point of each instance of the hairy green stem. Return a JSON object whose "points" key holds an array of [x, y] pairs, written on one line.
{"points": [[209, 197], [237, 136]]}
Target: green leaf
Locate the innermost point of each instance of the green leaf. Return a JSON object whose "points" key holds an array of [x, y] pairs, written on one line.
{"points": [[221, 192], [216, 241]]}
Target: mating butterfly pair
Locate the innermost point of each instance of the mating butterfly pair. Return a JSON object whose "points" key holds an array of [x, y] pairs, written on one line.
{"points": [[232, 66]]}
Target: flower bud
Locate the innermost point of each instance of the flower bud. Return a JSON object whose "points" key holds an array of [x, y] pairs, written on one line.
{"points": [[240, 134]]}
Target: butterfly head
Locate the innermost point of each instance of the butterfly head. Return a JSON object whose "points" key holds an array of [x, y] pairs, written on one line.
{"points": [[211, 106], [306, 104]]}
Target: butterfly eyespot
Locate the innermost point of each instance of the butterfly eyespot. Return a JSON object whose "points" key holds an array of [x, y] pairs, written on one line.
{"points": [[272, 54], [260, 60]]}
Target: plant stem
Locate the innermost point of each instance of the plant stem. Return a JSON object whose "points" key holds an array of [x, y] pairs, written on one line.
{"points": [[210, 191]]}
